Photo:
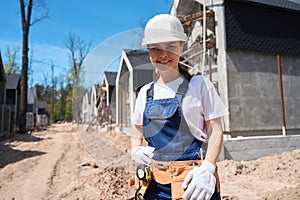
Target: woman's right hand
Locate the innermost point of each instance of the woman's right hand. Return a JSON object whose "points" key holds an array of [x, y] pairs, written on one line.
{"points": [[200, 183], [142, 154]]}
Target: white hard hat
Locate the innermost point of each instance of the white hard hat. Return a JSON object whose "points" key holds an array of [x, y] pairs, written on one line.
{"points": [[163, 28]]}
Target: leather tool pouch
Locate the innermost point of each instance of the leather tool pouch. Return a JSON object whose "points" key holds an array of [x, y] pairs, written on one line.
{"points": [[140, 185], [178, 174]]}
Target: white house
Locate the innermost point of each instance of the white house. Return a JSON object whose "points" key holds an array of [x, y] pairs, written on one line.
{"points": [[94, 96], [32, 108], [135, 70], [86, 107], [106, 101]]}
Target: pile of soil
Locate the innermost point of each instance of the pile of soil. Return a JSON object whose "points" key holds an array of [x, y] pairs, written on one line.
{"points": [[272, 177]]}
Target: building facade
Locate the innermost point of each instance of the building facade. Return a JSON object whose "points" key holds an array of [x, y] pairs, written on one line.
{"points": [[241, 58]]}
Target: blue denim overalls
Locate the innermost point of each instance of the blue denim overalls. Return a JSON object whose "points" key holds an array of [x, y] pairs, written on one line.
{"points": [[165, 129]]}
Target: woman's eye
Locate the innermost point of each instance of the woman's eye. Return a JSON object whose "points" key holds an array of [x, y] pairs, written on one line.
{"points": [[171, 47], [153, 49]]}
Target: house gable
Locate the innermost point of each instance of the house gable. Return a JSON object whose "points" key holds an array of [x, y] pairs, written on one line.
{"points": [[32, 102], [110, 78], [42, 108], [110, 82], [12, 88], [142, 67]]}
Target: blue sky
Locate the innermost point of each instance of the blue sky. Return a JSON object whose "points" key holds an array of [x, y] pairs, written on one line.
{"points": [[110, 25]]}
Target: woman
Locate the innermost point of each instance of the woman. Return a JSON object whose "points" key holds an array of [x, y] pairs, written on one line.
{"points": [[179, 116]]}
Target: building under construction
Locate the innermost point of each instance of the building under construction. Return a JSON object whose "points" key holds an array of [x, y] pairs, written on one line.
{"points": [[252, 55]]}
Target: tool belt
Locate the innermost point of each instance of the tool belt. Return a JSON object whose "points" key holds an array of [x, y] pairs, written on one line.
{"points": [[173, 172]]}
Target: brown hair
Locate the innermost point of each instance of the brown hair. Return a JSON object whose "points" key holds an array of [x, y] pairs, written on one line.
{"points": [[183, 70]]}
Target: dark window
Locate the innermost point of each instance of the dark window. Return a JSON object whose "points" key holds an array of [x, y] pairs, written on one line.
{"points": [[30, 108], [10, 97]]}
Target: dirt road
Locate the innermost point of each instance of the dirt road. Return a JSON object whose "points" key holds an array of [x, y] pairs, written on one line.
{"points": [[68, 163], [51, 165]]}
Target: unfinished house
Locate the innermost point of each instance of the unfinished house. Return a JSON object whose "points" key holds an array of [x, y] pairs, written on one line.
{"points": [[13, 93], [86, 108], [42, 118], [135, 70], [94, 96], [4, 110], [32, 108], [250, 50], [106, 101]]}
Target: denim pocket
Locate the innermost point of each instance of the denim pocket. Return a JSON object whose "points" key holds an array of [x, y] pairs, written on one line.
{"points": [[161, 111]]}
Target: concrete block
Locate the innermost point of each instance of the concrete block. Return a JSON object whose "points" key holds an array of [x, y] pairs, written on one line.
{"points": [[250, 148]]}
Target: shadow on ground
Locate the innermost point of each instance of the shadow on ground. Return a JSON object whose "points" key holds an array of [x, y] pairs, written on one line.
{"points": [[9, 155]]}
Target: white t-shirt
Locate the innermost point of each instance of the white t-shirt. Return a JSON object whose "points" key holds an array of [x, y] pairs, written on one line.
{"points": [[201, 103]]}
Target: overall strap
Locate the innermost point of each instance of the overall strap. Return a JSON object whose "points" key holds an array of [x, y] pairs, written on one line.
{"points": [[150, 92], [183, 87]]}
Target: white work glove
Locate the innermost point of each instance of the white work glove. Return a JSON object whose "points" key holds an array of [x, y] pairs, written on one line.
{"points": [[142, 154], [200, 182]]}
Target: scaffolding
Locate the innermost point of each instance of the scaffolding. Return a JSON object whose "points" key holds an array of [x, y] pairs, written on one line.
{"points": [[102, 117], [200, 52]]}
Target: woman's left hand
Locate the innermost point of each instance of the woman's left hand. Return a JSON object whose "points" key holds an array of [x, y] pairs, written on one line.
{"points": [[200, 182], [142, 155]]}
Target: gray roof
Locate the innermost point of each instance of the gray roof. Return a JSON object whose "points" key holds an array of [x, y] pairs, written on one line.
{"points": [[111, 78], [187, 7], [12, 81], [285, 4], [263, 26], [138, 58]]}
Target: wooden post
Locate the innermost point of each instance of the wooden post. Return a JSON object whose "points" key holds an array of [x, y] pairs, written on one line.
{"points": [[210, 67], [204, 36], [281, 95]]}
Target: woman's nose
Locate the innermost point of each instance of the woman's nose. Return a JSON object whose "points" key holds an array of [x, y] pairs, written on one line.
{"points": [[163, 53]]}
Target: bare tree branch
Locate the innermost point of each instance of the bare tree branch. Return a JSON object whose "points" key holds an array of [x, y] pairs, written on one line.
{"points": [[46, 16]]}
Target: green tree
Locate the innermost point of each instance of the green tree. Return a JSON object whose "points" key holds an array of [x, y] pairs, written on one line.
{"points": [[69, 105], [60, 105], [11, 65], [78, 50]]}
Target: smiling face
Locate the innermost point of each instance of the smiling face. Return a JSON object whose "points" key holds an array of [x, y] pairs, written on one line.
{"points": [[165, 56]]}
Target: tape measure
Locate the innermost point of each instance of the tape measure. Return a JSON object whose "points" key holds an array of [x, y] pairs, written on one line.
{"points": [[143, 172]]}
